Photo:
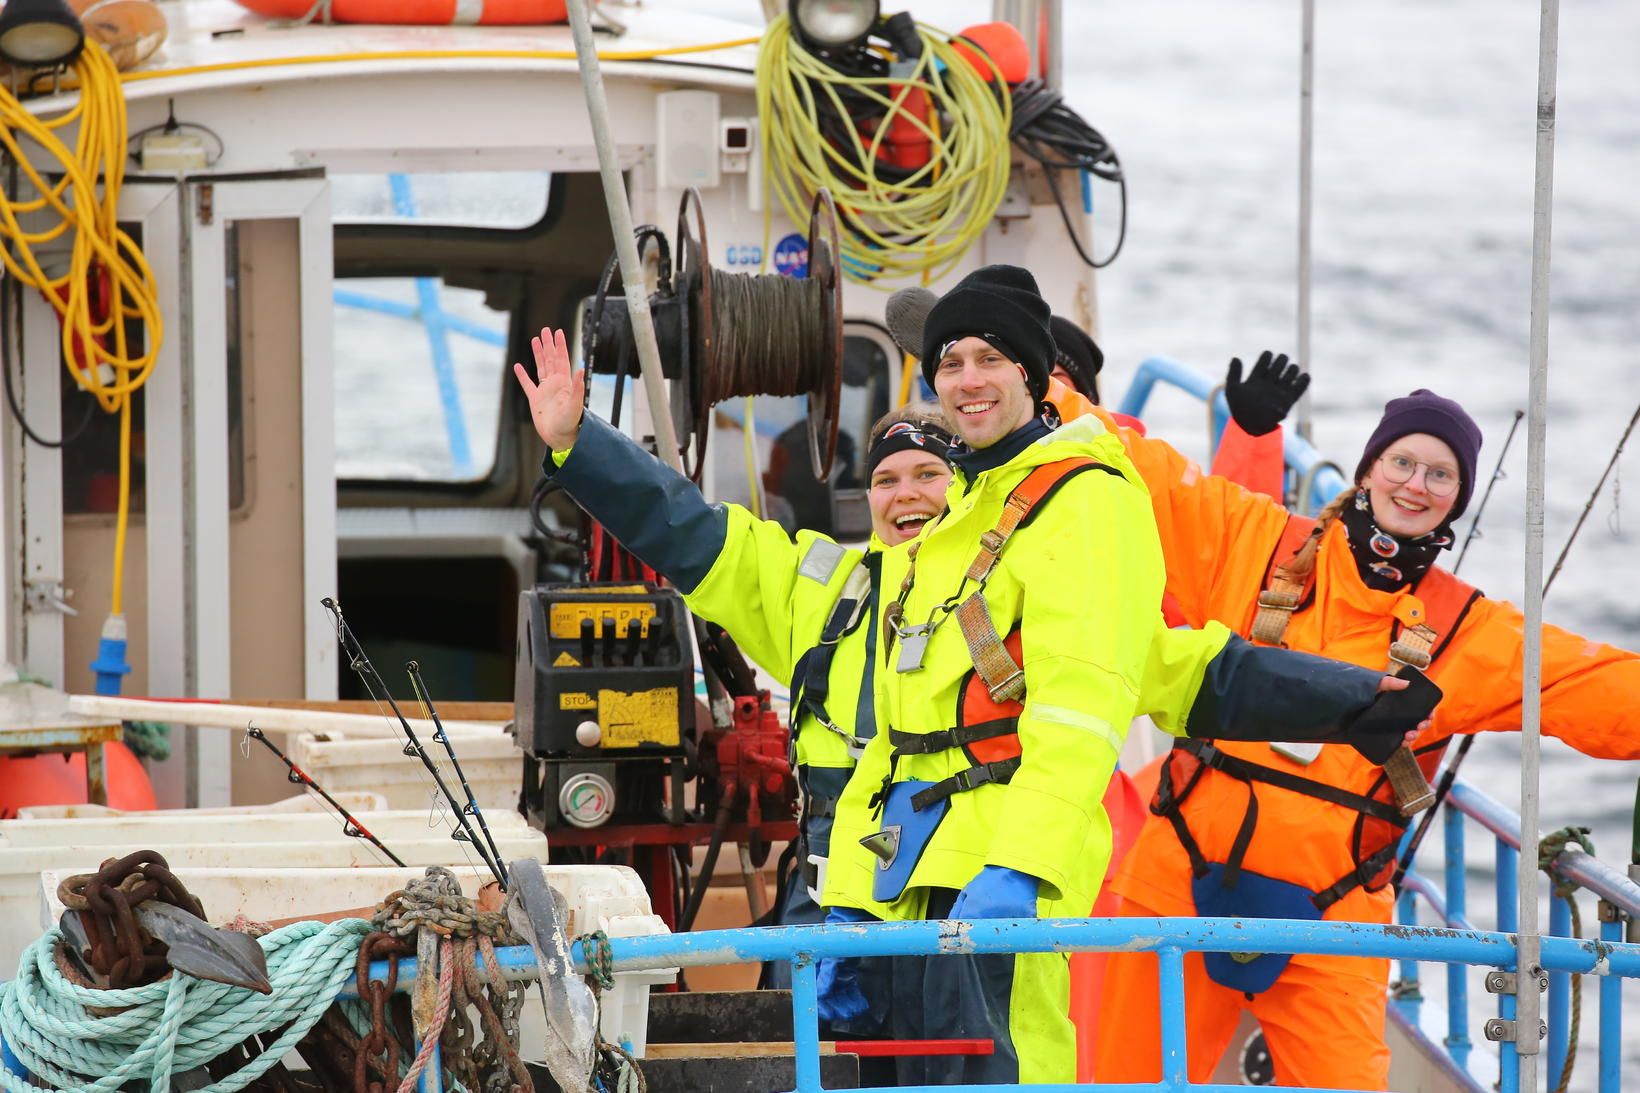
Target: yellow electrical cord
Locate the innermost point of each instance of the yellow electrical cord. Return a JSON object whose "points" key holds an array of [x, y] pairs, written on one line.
{"points": [[434, 55], [892, 228], [99, 252]]}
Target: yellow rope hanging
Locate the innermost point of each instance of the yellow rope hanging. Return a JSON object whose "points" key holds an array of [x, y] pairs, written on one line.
{"points": [[107, 282], [893, 228]]}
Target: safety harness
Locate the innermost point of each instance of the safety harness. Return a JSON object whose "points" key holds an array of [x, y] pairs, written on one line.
{"points": [[811, 679], [993, 692], [1446, 601]]}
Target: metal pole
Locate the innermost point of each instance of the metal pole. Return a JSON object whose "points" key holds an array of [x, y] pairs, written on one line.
{"points": [[1306, 171], [1527, 1015], [626, 245]]}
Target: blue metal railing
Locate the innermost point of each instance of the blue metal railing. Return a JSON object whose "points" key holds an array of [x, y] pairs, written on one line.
{"points": [[1316, 479], [1620, 900], [1169, 938]]}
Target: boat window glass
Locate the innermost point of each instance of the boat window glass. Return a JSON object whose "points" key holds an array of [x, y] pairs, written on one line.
{"points": [[795, 496], [421, 368], [471, 199]]}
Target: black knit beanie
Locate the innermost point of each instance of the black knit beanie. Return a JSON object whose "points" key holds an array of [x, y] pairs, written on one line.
{"points": [[1002, 305], [1423, 411], [1078, 354]]}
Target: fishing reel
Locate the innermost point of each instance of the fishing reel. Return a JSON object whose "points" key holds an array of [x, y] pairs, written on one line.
{"points": [[729, 335]]}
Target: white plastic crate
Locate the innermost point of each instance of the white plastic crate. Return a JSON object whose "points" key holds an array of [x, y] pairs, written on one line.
{"points": [[271, 844], [302, 802], [493, 765]]}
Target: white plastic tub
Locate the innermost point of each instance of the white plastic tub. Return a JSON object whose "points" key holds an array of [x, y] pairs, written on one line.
{"points": [[610, 898], [493, 765], [270, 846], [186, 826], [302, 802]]}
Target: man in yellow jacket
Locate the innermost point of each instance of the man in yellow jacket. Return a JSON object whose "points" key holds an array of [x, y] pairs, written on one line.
{"points": [[1019, 633]]}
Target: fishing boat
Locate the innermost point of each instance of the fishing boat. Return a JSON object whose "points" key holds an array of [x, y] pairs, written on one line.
{"points": [[270, 381]]}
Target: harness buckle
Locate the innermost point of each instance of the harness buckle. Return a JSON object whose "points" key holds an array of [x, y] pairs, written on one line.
{"points": [[1008, 689], [991, 542], [1410, 655], [1278, 601]]}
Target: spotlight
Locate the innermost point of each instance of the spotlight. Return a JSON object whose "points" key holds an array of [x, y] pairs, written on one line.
{"points": [[832, 24], [40, 33]]}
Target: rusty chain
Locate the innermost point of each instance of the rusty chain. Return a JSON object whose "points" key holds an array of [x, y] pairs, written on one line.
{"points": [[121, 951]]}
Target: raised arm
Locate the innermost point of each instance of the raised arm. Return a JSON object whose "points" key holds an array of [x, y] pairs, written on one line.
{"points": [[1591, 690]]}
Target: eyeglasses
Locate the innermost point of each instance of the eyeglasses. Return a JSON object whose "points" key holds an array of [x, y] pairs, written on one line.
{"points": [[1439, 481]]}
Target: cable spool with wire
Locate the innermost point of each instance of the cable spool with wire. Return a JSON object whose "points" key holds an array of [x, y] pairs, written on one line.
{"points": [[730, 335]]}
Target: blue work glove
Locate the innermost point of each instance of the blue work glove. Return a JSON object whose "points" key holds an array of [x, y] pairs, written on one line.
{"points": [[998, 892], [837, 979]]}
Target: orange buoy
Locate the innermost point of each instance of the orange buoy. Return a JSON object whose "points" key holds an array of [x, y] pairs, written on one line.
{"points": [[1002, 42], [60, 780], [490, 13]]}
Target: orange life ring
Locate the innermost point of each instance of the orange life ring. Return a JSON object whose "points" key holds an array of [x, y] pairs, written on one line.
{"points": [[422, 12]]}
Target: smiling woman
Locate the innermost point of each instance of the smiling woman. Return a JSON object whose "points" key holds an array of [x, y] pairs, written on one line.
{"points": [[908, 473]]}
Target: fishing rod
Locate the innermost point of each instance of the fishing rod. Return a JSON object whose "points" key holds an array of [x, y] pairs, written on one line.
{"points": [[1449, 776], [1598, 486], [351, 826], [425, 697], [360, 663], [1480, 510]]}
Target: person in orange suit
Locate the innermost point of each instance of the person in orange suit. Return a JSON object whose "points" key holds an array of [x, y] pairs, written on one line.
{"points": [[1320, 843]]}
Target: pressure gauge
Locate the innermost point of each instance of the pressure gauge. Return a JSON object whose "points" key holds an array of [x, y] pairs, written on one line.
{"points": [[587, 800]]}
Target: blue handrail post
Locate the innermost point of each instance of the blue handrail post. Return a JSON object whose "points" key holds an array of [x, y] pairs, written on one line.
{"points": [[1611, 1009], [1457, 907], [1175, 1062], [1559, 1013], [805, 1024], [1508, 1060], [1408, 995], [432, 1079], [1508, 879]]}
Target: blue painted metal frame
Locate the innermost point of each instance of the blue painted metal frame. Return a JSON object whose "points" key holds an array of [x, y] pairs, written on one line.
{"points": [[1610, 885], [1170, 939], [1301, 456]]}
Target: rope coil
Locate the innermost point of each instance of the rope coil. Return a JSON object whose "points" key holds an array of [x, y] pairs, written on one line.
{"points": [[149, 1033]]}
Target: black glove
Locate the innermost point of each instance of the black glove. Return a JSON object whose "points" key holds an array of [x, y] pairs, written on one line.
{"points": [[1379, 730], [1260, 402]]}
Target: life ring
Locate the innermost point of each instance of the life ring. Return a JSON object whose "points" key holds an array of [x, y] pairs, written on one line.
{"points": [[422, 12]]}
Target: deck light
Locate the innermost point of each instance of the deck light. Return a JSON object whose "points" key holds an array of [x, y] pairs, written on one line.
{"points": [[40, 33], [833, 24]]}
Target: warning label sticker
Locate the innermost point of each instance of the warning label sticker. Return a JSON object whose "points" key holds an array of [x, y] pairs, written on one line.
{"points": [[576, 700], [564, 619], [566, 661], [630, 718]]}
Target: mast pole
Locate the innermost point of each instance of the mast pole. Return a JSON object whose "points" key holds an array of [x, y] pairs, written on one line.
{"points": [[1306, 171], [1528, 1001], [626, 245]]}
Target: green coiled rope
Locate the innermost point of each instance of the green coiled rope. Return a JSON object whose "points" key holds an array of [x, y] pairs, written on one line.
{"points": [[146, 1034]]}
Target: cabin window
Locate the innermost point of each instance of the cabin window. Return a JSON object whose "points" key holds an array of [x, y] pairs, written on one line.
{"points": [[470, 199], [421, 368]]}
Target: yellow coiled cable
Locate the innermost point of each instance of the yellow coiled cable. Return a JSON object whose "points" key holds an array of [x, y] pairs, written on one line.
{"points": [[74, 205], [922, 224]]}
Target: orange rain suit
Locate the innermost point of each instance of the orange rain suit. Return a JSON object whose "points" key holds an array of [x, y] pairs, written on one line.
{"points": [[1324, 1018]]}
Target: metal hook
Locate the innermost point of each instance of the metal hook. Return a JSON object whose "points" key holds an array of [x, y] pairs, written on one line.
{"points": [[245, 741]]}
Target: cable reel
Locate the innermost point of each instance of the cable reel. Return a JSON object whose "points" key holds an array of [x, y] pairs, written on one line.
{"points": [[730, 335]]}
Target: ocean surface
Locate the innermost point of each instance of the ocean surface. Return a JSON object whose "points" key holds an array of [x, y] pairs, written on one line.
{"points": [[1425, 128]]}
